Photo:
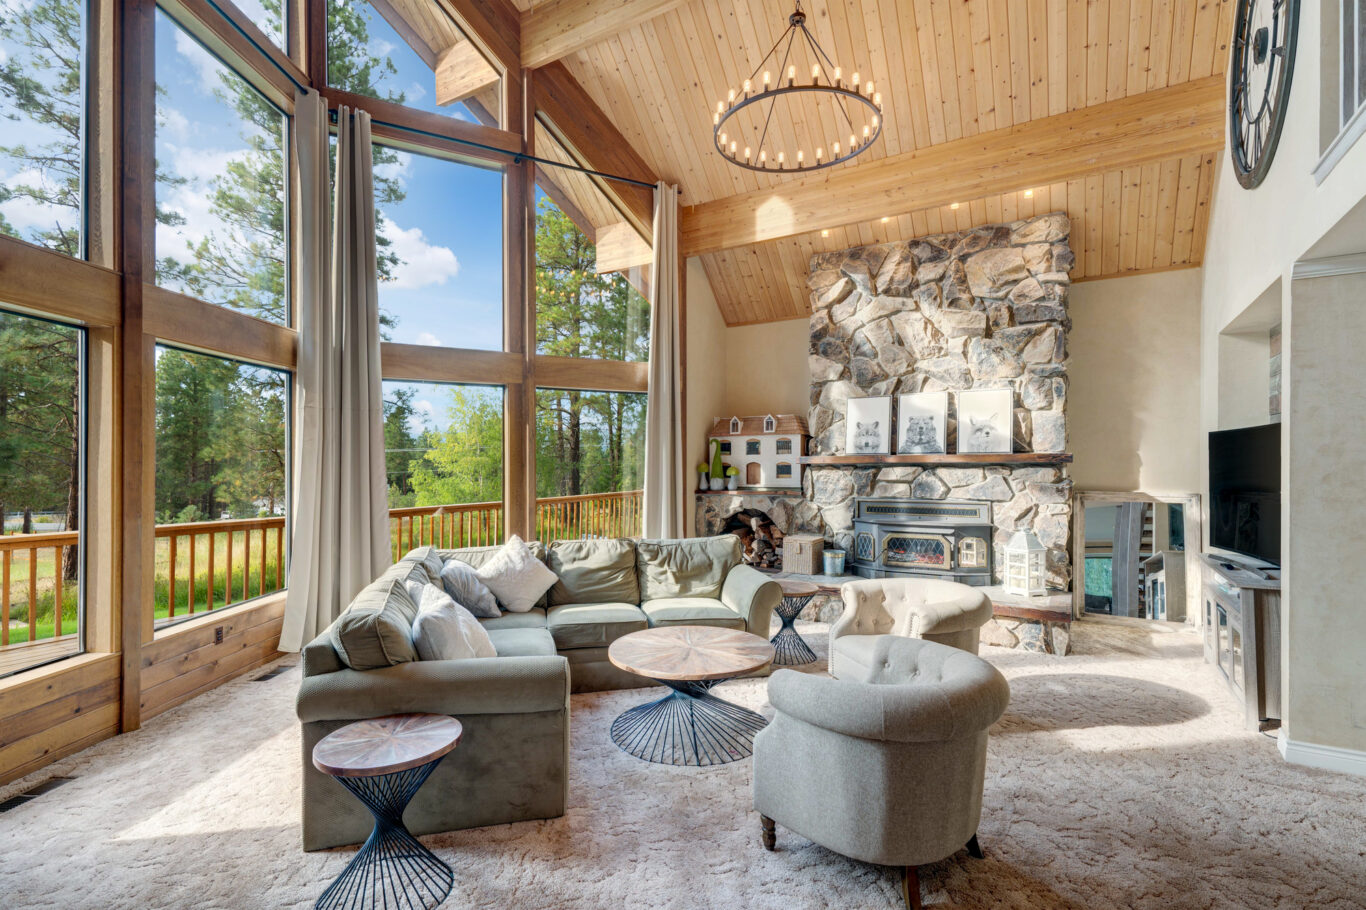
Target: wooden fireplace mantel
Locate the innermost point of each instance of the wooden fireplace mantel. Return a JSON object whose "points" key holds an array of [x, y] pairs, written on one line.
{"points": [[1014, 458]]}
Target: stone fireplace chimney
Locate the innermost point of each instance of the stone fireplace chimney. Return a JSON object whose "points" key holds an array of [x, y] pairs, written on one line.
{"points": [[978, 309]]}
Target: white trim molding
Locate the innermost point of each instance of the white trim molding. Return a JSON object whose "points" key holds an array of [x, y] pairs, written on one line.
{"points": [[1337, 149], [1330, 758], [1328, 266]]}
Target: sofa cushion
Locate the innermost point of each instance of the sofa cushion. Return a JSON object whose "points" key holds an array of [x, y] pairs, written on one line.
{"points": [[376, 629], [477, 556], [516, 576], [412, 571], [593, 625], [430, 559], [694, 567], [522, 642], [531, 619], [691, 611], [593, 572], [444, 630], [465, 587]]}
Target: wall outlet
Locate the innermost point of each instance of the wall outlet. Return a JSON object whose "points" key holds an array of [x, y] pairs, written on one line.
{"points": [[218, 635]]}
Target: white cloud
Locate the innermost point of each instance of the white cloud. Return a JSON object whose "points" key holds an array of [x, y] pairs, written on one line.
{"points": [[203, 62], [381, 48], [425, 406], [25, 213], [415, 92], [173, 124], [423, 264], [428, 338], [398, 169]]}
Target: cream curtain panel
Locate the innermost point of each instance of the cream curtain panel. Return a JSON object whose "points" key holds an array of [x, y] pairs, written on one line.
{"points": [[341, 523], [663, 506]]}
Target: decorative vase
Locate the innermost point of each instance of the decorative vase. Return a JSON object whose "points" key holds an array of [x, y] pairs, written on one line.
{"points": [[733, 482], [718, 484], [702, 480]]}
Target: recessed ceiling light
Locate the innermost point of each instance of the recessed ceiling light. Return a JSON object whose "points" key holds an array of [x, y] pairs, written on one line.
{"points": [[954, 206], [1028, 193], [825, 233], [885, 219]]}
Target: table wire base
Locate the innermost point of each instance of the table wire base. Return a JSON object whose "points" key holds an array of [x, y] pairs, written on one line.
{"points": [[789, 648], [392, 869], [689, 726]]}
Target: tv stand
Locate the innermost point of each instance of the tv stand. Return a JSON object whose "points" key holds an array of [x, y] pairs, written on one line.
{"points": [[1240, 619]]}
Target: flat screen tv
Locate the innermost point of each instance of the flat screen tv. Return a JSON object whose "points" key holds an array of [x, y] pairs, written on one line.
{"points": [[1245, 491]]}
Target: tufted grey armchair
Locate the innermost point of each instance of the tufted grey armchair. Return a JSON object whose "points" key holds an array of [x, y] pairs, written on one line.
{"points": [[941, 611], [902, 752]]}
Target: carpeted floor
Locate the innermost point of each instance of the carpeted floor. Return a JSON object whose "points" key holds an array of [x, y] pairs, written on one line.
{"points": [[1119, 777]]}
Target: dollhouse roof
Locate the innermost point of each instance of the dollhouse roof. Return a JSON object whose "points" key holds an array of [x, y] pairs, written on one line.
{"points": [[783, 425]]}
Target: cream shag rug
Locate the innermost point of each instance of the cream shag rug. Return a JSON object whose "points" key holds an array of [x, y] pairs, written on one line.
{"points": [[1119, 777]]}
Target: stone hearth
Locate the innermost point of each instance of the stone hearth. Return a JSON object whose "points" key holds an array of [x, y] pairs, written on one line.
{"points": [[978, 309]]}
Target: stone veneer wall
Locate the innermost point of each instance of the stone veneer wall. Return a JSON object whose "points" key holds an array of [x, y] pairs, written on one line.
{"points": [[978, 309]]}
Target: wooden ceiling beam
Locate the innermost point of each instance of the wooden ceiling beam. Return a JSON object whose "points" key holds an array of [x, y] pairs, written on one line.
{"points": [[462, 73], [559, 28], [1131, 132], [492, 25], [593, 141]]}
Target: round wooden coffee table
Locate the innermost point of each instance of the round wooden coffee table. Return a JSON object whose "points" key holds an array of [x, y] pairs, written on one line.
{"points": [[789, 646], [689, 726], [383, 761]]}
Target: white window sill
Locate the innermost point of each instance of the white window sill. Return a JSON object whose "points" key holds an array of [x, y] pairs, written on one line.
{"points": [[1338, 148]]}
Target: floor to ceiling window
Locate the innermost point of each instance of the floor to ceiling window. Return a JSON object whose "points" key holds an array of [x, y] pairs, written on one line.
{"points": [[42, 470]]}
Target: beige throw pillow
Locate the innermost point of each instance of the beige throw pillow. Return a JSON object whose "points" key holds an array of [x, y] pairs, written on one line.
{"points": [[444, 630], [516, 577]]}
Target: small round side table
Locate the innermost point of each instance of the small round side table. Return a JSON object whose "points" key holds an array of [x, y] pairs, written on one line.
{"points": [[789, 648], [383, 761]]}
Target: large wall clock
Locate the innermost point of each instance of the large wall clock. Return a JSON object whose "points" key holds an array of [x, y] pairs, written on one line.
{"points": [[1259, 85]]}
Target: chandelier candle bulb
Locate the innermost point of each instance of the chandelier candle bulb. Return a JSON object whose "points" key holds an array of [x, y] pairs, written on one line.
{"points": [[800, 154], [837, 75], [835, 150], [767, 79], [791, 73], [853, 80], [877, 99], [747, 86], [869, 92], [731, 96], [747, 156]]}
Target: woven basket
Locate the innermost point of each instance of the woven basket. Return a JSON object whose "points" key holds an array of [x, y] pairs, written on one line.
{"points": [[802, 554]]}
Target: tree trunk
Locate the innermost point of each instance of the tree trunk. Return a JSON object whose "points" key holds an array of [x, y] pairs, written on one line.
{"points": [[71, 561], [28, 521], [575, 443]]}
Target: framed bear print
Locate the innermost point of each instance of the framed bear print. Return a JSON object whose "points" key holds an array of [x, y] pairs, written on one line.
{"points": [[922, 423], [868, 426], [984, 418]]}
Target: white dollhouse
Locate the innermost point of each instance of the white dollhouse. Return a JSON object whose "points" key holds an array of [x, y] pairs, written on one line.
{"points": [[764, 449]]}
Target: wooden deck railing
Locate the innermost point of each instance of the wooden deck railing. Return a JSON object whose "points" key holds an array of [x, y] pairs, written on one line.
{"points": [[24, 564], [206, 565]]}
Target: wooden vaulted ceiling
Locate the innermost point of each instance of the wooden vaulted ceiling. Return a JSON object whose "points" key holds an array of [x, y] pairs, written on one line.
{"points": [[961, 74]]}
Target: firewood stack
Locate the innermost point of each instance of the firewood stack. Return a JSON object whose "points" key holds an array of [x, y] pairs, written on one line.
{"points": [[761, 541]]}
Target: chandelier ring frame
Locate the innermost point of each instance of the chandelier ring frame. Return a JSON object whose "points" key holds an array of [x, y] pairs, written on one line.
{"points": [[772, 95]]}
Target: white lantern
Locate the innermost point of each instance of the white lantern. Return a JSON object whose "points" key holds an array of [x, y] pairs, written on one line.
{"points": [[1025, 569]]}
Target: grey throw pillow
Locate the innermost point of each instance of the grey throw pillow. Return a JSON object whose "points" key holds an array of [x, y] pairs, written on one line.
{"points": [[467, 589]]}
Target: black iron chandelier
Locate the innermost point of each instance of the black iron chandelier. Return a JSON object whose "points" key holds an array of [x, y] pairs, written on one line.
{"points": [[858, 109]]}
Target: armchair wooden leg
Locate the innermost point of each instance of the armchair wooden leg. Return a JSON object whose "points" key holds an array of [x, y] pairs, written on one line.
{"points": [[974, 848], [769, 834], [910, 887]]}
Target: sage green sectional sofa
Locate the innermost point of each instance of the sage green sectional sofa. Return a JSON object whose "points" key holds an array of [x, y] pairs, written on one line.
{"points": [[512, 763]]}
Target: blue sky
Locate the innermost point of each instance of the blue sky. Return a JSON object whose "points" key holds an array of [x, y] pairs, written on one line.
{"points": [[447, 230]]}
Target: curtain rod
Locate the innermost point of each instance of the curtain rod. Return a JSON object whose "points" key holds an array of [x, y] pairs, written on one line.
{"points": [[517, 157]]}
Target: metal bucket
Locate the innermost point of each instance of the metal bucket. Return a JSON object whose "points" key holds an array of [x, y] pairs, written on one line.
{"points": [[834, 562]]}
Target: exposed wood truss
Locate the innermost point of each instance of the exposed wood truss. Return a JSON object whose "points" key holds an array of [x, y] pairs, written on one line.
{"points": [[1129, 133], [554, 30]]}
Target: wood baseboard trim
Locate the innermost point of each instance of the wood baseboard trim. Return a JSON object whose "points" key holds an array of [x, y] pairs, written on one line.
{"points": [[1330, 758]]}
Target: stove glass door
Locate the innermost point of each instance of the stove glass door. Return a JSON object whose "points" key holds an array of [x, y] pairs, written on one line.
{"points": [[908, 550]]}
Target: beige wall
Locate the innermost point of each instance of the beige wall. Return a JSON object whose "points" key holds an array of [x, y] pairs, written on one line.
{"points": [[1255, 239], [1133, 416], [766, 368], [1325, 501]]}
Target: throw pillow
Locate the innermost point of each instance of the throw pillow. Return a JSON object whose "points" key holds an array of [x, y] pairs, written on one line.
{"points": [[516, 577], [444, 630], [376, 630], [463, 585]]}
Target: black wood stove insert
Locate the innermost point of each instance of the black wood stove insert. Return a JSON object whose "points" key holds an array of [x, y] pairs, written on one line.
{"points": [[923, 538]]}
